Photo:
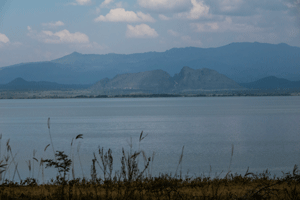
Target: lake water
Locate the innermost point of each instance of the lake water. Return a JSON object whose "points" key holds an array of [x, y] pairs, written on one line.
{"points": [[265, 132]]}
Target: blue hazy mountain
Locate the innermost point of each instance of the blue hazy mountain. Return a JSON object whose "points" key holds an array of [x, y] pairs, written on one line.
{"points": [[21, 84], [272, 82], [241, 62]]}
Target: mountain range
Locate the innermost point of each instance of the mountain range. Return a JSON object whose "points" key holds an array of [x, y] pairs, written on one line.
{"points": [[188, 80], [241, 62]]}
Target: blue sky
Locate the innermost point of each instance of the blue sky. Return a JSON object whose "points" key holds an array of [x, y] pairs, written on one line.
{"points": [[37, 30]]}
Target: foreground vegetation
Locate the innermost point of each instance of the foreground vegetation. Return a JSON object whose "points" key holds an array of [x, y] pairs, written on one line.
{"points": [[249, 186], [134, 182]]}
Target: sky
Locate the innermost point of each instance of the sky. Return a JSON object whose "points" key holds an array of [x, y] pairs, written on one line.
{"points": [[37, 30]]}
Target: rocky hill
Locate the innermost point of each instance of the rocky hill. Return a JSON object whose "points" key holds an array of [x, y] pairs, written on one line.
{"points": [[205, 79], [159, 81]]}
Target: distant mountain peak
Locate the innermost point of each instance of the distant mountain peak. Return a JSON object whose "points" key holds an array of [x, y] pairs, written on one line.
{"points": [[75, 53], [186, 68], [69, 59], [18, 81], [272, 82]]}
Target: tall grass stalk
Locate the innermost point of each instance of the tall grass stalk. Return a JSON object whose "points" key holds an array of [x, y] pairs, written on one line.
{"points": [[16, 167], [29, 167], [153, 154], [140, 140], [0, 153], [42, 163], [232, 148], [179, 163], [78, 147], [13, 159], [48, 123], [72, 158], [79, 136], [33, 159], [0, 145], [106, 161]]}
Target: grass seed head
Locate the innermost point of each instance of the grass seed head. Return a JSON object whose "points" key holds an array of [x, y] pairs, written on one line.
{"points": [[48, 122]]}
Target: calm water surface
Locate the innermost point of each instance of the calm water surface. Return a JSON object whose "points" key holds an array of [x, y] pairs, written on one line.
{"points": [[265, 132]]}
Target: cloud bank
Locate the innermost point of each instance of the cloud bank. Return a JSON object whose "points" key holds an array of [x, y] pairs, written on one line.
{"points": [[163, 17], [225, 26], [3, 38], [121, 15], [83, 2], [164, 5], [53, 24], [105, 3], [141, 31], [59, 37], [198, 10]]}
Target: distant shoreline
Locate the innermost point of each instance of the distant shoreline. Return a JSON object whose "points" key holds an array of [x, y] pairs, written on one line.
{"points": [[76, 94]]}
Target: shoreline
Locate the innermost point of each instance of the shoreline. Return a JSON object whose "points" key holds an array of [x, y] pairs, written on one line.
{"points": [[75, 94]]}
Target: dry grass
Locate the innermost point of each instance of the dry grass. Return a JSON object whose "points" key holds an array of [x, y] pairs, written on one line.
{"points": [[157, 188]]}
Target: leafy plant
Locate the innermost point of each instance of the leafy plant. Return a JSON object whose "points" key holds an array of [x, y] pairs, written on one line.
{"points": [[62, 163]]}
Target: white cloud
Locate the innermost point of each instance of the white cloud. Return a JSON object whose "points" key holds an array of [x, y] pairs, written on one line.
{"points": [[224, 26], [83, 2], [5, 42], [247, 7], [119, 4], [106, 2], [206, 27], [63, 36], [293, 4], [3, 38], [230, 5], [164, 5], [292, 32], [16, 44], [141, 31], [198, 10], [80, 2], [120, 15], [189, 41], [173, 33], [53, 24], [163, 17]]}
